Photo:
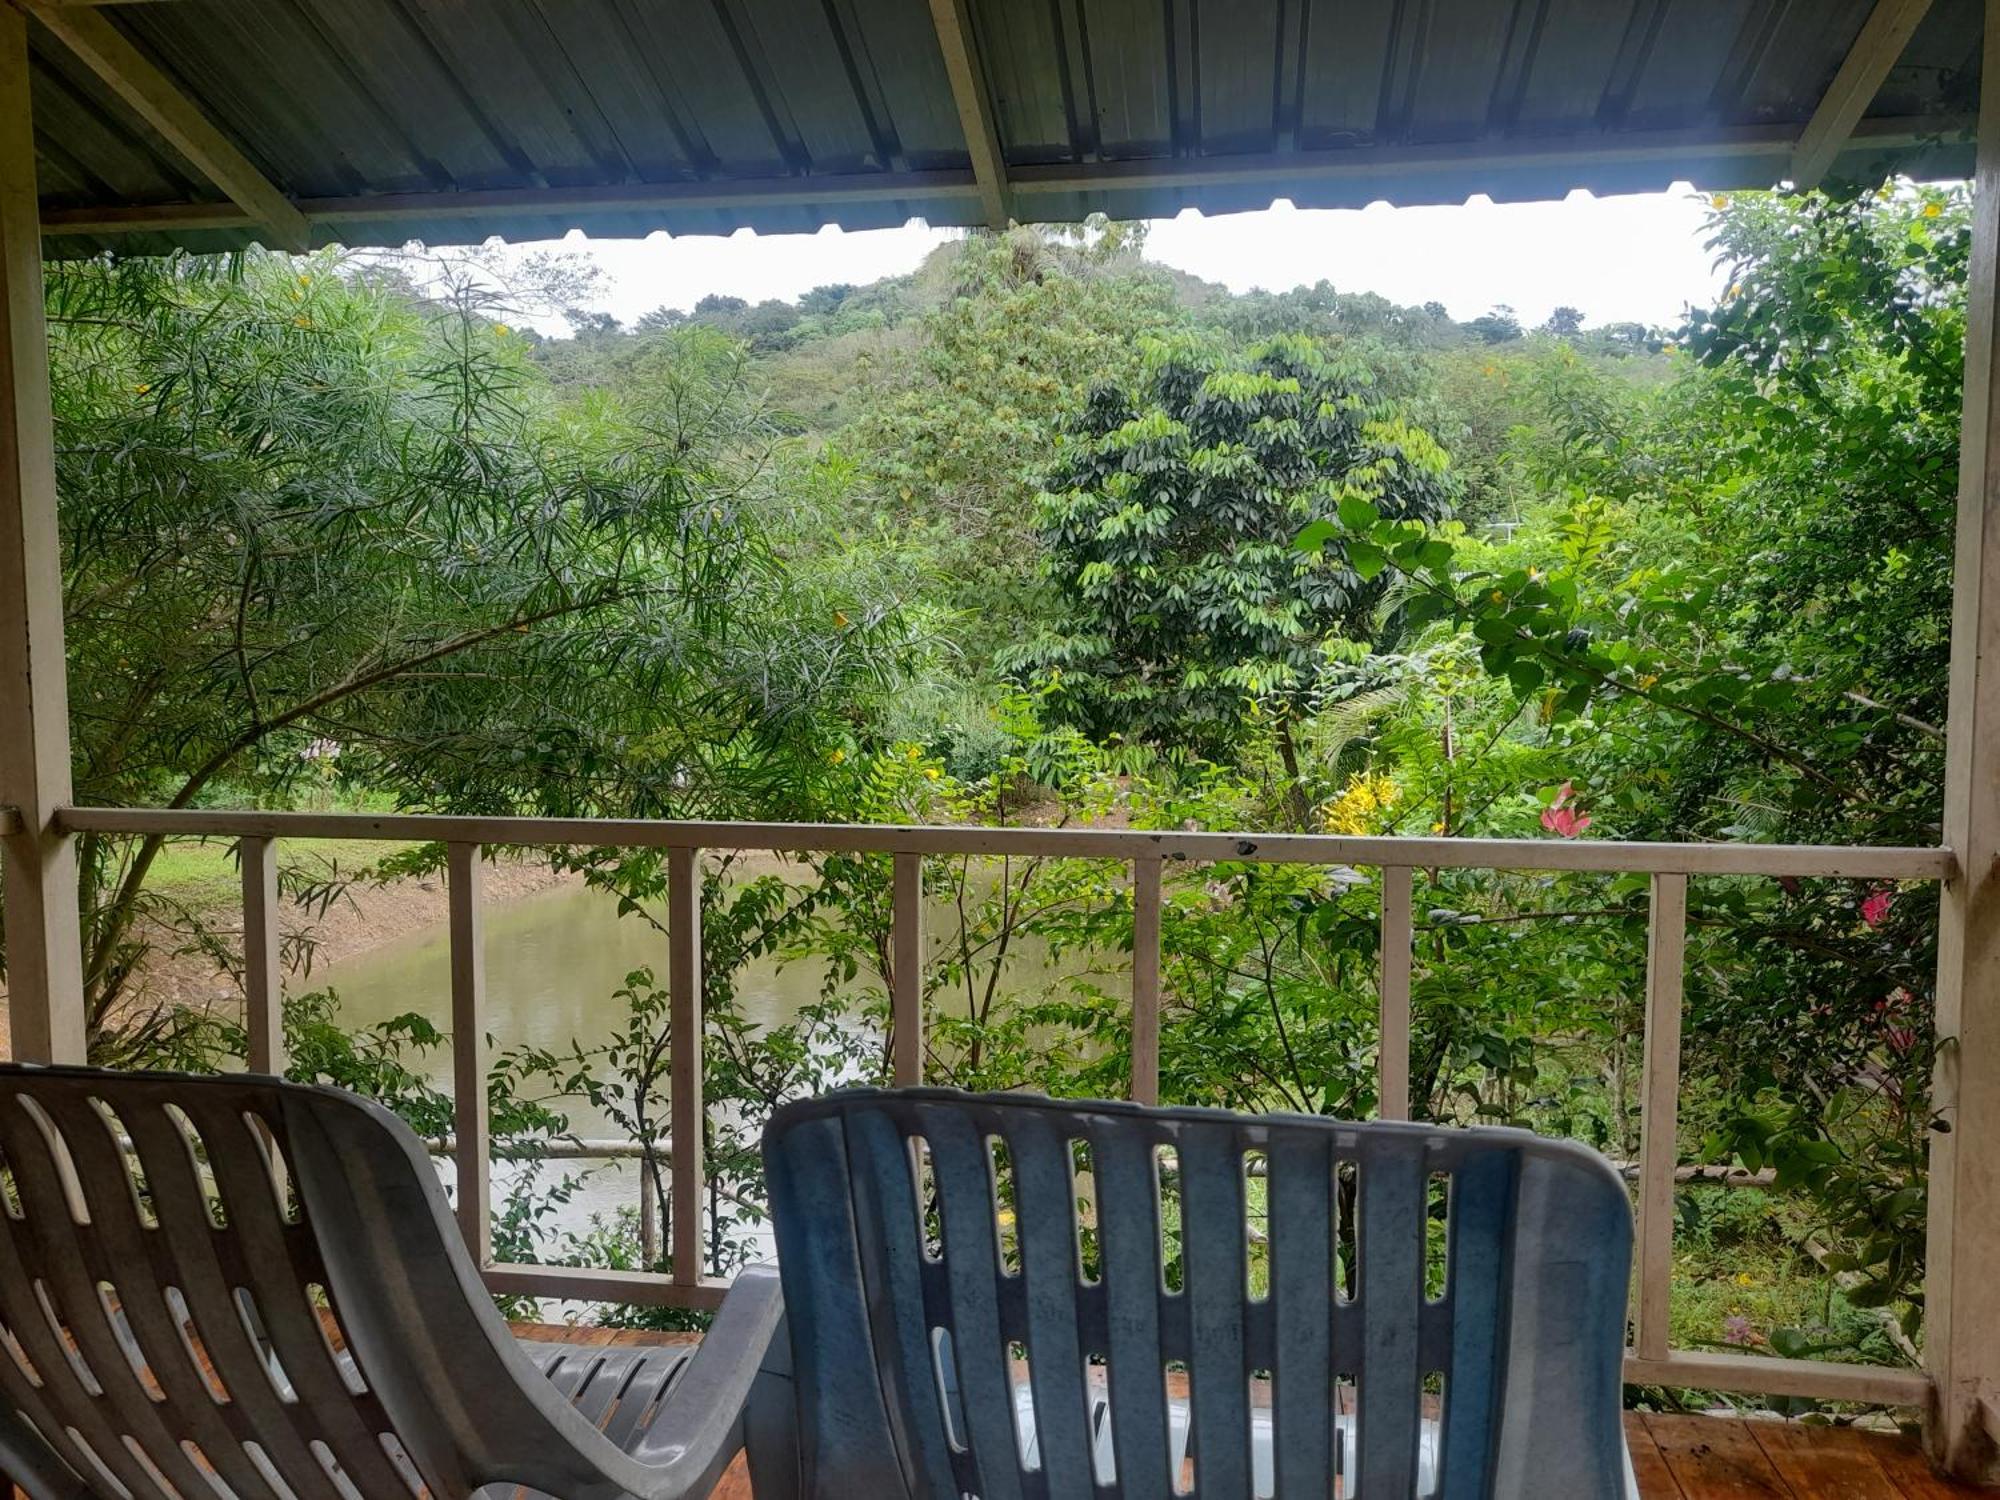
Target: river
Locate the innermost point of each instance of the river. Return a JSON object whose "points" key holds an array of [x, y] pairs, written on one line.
{"points": [[553, 963]]}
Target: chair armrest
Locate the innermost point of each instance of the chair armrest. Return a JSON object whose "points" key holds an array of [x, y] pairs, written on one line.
{"points": [[700, 1425]]}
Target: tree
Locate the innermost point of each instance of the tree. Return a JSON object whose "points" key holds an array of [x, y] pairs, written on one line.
{"points": [[304, 515], [1564, 322], [1499, 326], [1184, 615], [1026, 322]]}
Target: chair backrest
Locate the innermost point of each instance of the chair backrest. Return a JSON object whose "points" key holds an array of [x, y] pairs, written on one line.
{"points": [[946, 1241], [246, 1287]]}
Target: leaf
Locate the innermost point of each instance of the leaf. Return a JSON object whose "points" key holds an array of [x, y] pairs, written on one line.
{"points": [[1367, 559], [1357, 514], [1314, 536]]}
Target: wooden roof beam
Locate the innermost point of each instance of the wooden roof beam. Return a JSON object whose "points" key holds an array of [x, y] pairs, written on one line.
{"points": [[953, 22], [1881, 41], [150, 94]]}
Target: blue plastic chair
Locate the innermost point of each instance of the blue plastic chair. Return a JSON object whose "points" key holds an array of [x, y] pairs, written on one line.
{"points": [[1021, 1364]]}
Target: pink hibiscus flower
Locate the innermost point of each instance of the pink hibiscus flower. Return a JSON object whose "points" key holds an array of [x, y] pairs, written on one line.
{"points": [[1562, 816]]}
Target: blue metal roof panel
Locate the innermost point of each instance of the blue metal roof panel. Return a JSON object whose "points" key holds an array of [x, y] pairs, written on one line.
{"points": [[389, 119]]}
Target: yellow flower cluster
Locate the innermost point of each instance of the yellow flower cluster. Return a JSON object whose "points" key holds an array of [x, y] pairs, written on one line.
{"points": [[1359, 807]]}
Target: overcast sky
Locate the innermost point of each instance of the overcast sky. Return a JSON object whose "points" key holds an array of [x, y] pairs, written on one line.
{"points": [[1637, 258]]}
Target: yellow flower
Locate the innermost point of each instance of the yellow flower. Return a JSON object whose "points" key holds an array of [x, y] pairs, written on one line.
{"points": [[1735, 291], [911, 753], [1438, 827], [302, 322], [141, 388], [1719, 201], [839, 620], [1359, 807], [838, 756], [1932, 210], [930, 773], [1744, 1278], [501, 330]]}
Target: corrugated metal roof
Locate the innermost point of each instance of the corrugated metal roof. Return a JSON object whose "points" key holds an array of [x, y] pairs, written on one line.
{"points": [[452, 120]]}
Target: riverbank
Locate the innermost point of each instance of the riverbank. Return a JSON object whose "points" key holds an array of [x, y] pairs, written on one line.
{"points": [[365, 916]]}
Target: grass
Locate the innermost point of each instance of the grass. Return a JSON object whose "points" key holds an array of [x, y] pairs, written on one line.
{"points": [[202, 874]]}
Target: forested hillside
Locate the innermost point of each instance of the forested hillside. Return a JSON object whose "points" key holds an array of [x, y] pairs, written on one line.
{"points": [[1047, 532]]}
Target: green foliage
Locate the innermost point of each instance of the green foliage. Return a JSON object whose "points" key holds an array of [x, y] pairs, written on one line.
{"points": [[1166, 524], [308, 518]]}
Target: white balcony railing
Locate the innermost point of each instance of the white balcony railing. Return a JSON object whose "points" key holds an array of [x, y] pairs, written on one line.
{"points": [[1650, 1360]]}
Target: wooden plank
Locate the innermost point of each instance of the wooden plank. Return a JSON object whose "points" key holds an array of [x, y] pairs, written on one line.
{"points": [[684, 1017], [906, 966], [1277, 169], [263, 1006], [44, 964], [1659, 1119], [1879, 44], [1763, 1374], [1146, 873], [1393, 1047], [934, 186], [1903, 1461], [470, 1050], [1961, 1293], [1816, 1469], [1649, 1465], [1806, 861], [952, 20], [1714, 1460], [1390, 162], [151, 95]]}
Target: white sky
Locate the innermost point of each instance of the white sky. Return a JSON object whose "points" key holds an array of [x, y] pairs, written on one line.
{"points": [[1637, 258]]}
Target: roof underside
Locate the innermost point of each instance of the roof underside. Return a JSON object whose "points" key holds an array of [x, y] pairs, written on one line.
{"points": [[452, 120]]}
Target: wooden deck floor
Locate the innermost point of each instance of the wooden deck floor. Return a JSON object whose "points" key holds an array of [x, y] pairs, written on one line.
{"points": [[1676, 1457]]}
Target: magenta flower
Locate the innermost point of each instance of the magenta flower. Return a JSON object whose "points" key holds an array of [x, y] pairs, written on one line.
{"points": [[1876, 907], [1736, 1329]]}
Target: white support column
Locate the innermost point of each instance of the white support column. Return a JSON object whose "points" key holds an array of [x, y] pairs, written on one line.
{"points": [[1962, 1293], [44, 965]]}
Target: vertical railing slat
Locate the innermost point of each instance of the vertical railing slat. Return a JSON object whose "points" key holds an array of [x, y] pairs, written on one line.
{"points": [[1146, 871], [684, 1038], [469, 1047], [906, 964], [263, 1013], [1393, 1060], [1659, 1131]]}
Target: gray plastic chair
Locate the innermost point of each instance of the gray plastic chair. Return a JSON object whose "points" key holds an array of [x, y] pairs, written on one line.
{"points": [[172, 1249], [909, 1364]]}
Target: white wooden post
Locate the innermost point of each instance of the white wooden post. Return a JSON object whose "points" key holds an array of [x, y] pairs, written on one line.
{"points": [[1659, 1121], [686, 1113], [263, 1003], [470, 1054], [1146, 870], [44, 965], [1962, 1293], [1392, 1063], [906, 958]]}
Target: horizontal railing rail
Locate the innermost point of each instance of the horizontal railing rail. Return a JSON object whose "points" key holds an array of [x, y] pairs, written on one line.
{"points": [[1652, 1359]]}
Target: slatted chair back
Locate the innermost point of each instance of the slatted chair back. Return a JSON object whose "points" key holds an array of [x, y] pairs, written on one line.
{"points": [[956, 1245], [240, 1287]]}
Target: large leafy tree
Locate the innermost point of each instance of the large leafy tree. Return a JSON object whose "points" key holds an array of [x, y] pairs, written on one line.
{"points": [[306, 512], [1729, 617], [1185, 614], [1026, 322]]}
